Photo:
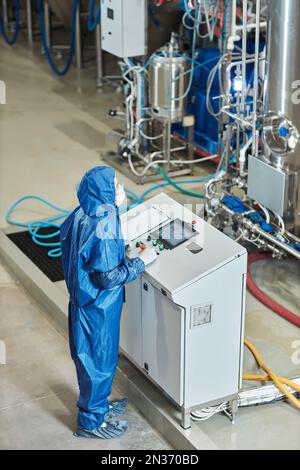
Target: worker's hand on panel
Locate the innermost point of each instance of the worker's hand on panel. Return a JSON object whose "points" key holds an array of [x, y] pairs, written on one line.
{"points": [[148, 256]]}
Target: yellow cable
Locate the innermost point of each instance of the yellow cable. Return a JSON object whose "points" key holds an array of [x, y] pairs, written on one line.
{"points": [[266, 378], [271, 376]]}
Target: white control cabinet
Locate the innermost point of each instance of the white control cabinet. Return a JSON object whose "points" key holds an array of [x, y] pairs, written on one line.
{"points": [[183, 320], [124, 27]]}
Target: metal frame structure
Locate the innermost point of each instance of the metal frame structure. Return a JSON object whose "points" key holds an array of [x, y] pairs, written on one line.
{"points": [[247, 124]]}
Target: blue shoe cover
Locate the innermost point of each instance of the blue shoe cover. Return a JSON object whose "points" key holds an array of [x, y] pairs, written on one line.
{"points": [[116, 408], [109, 430]]}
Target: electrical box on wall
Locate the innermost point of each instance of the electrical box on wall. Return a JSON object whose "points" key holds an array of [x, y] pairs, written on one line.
{"points": [[124, 27]]}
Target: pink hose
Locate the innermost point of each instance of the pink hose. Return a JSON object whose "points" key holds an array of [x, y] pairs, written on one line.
{"points": [[264, 298]]}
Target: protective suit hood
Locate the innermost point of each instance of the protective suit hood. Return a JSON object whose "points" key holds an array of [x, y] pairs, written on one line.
{"points": [[96, 190]]}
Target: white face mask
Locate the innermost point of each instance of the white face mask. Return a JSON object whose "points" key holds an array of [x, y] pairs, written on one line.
{"points": [[120, 195]]}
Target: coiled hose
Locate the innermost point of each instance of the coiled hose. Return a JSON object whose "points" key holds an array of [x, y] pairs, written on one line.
{"points": [[42, 239], [34, 228], [11, 41], [64, 70], [93, 20]]}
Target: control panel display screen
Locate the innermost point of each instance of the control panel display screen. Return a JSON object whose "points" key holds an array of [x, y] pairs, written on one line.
{"points": [[175, 233]]}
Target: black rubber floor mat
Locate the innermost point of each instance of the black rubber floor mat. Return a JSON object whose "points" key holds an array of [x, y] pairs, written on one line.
{"points": [[51, 267]]}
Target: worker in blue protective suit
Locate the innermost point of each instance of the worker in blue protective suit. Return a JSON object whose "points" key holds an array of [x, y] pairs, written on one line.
{"points": [[96, 272]]}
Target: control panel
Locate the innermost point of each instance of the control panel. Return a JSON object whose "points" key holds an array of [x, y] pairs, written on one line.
{"points": [[176, 313], [166, 237], [187, 247]]}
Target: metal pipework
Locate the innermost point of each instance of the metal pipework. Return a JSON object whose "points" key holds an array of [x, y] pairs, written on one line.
{"points": [[5, 12], [29, 22], [47, 23], [99, 56], [250, 26], [256, 77], [283, 247], [244, 56], [78, 48]]}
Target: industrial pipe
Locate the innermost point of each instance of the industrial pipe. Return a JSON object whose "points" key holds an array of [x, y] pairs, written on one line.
{"points": [[264, 298]]}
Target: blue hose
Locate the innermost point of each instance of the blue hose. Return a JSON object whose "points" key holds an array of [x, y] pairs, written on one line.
{"points": [[42, 239], [54, 222], [140, 200], [11, 41], [93, 21], [35, 227], [178, 183], [131, 193], [65, 69]]}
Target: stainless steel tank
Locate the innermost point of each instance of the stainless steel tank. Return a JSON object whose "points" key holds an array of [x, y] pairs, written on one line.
{"points": [[282, 99], [282, 113], [168, 76]]}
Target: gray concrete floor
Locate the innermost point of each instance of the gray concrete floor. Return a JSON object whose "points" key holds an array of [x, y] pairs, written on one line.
{"points": [[38, 388], [51, 131]]}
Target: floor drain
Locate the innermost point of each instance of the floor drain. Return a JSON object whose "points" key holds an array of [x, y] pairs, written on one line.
{"points": [[51, 267]]}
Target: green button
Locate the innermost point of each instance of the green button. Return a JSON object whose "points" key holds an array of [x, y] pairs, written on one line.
{"points": [[154, 242], [149, 238], [161, 247]]}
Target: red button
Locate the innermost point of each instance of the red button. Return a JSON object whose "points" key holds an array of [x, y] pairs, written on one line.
{"points": [[194, 222]]}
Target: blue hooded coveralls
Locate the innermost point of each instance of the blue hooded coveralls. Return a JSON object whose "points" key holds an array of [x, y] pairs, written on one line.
{"points": [[96, 272]]}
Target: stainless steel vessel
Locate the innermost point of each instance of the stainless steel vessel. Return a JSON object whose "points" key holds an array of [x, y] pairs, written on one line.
{"points": [[168, 77], [282, 110], [282, 100]]}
